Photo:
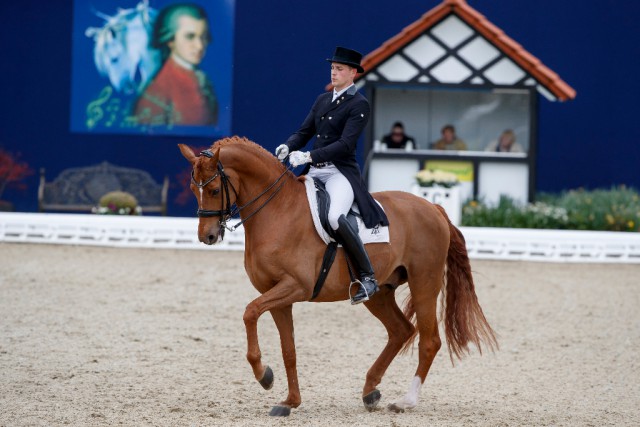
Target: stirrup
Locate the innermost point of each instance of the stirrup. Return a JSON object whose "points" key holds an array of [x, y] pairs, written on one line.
{"points": [[360, 285]]}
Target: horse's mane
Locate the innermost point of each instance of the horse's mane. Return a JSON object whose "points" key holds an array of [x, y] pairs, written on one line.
{"points": [[269, 159]]}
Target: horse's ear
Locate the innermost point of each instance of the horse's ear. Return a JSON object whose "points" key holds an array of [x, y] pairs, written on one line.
{"points": [[216, 156], [187, 152]]}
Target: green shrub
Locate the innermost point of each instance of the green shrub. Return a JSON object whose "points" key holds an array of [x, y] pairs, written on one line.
{"points": [[508, 213], [617, 209]]}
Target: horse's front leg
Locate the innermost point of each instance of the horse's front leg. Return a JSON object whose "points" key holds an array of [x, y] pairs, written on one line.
{"points": [[283, 319], [278, 300]]}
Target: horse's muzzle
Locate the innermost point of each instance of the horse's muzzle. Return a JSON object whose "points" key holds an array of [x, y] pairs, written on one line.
{"points": [[211, 235]]}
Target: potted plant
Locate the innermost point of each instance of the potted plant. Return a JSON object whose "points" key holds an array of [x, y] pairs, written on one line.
{"points": [[12, 172], [436, 178], [117, 203]]}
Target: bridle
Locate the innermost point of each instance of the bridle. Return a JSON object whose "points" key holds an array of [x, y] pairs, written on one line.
{"points": [[228, 209]]}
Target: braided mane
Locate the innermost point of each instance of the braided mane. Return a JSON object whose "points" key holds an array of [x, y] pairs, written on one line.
{"points": [[259, 151]]}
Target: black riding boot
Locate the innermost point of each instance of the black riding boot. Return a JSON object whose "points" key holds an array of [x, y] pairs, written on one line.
{"points": [[348, 235]]}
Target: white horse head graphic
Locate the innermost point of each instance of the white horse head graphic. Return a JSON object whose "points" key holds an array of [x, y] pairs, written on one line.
{"points": [[122, 50]]}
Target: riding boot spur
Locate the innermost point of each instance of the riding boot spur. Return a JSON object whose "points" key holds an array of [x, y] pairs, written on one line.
{"points": [[350, 240]]}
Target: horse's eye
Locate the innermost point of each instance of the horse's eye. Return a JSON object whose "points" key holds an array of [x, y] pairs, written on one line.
{"points": [[215, 191]]}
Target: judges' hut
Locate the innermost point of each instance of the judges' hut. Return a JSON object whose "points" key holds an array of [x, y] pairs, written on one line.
{"points": [[452, 66]]}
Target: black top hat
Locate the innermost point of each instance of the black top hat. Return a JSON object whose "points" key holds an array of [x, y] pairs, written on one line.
{"points": [[349, 57]]}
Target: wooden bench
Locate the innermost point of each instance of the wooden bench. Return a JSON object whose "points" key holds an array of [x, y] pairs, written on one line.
{"points": [[80, 189]]}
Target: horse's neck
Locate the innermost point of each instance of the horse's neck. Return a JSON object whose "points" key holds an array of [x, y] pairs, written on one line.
{"points": [[255, 178], [280, 221]]}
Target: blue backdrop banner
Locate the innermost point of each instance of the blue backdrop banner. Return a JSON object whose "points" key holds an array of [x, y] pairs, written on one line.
{"points": [[152, 67]]}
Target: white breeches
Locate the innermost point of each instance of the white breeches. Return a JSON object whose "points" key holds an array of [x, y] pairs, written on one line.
{"points": [[339, 190]]}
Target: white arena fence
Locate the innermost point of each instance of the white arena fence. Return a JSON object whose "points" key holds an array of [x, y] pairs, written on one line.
{"points": [[180, 233]]}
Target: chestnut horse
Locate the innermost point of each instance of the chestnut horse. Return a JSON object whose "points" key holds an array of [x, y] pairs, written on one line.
{"points": [[425, 248]]}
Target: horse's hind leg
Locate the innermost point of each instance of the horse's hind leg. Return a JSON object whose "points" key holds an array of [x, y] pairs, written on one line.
{"points": [[425, 305], [399, 329]]}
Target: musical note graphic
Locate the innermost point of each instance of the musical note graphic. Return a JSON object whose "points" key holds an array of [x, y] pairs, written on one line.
{"points": [[95, 112], [129, 122], [112, 108]]}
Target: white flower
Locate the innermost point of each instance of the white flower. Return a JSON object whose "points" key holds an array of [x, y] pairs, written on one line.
{"points": [[428, 178]]}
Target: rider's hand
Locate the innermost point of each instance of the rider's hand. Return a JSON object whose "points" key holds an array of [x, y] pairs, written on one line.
{"points": [[298, 158], [282, 152]]}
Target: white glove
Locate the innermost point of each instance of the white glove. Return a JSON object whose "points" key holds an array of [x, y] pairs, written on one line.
{"points": [[298, 158], [282, 151]]}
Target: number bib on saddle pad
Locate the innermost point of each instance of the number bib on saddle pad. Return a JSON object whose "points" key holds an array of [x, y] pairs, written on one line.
{"points": [[319, 204]]}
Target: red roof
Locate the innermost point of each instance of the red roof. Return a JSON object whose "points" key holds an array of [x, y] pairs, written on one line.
{"points": [[532, 65]]}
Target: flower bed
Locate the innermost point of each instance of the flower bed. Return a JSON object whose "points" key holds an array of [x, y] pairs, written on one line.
{"points": [[617, 209]]}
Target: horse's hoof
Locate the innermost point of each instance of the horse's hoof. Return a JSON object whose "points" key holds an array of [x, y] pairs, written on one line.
{"points": [[371, 400], [280, 411], [267, 379], [395, 408]]}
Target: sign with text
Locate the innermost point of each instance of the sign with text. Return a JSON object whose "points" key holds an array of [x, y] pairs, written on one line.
{"points": [[463, 170]]}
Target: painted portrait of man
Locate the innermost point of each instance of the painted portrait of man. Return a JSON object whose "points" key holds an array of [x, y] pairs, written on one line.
{"points": [[180, 93]]}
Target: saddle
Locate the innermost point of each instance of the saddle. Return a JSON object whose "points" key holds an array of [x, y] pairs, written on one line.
{"points": [[319, 202], [324, 201]]}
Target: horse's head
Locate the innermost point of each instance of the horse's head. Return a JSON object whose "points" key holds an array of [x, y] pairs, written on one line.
{"points": [[214, 191]]}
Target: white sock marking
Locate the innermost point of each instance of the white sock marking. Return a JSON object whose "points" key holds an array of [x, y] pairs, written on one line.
{"points": [[410, 400]]}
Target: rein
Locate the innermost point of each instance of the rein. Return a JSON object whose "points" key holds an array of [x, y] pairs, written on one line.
{"points": [[228, 210]]}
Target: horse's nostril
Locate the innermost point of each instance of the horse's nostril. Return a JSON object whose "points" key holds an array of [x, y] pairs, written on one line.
{"points": [[211, 237]]}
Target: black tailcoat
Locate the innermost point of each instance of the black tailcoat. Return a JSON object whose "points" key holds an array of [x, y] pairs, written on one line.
{"points": [[337, 126]]}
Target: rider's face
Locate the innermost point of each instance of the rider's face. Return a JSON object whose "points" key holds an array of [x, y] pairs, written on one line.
{"points": [[191, 39], [342, 75]]}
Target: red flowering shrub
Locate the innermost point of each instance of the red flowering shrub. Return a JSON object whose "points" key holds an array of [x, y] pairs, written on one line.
{"points": [[12, 171]]}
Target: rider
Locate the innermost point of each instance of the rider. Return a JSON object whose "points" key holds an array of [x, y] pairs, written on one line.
{"points": [[337, 119]]}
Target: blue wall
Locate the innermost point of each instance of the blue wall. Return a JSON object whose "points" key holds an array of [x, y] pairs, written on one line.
{"points": [[280, 47]]}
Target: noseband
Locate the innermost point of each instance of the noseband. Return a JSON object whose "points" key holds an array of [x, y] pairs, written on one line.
{"points": [[227, 211]]}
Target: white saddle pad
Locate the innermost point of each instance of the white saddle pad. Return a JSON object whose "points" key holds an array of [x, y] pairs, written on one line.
{"points": [[367, 235]]}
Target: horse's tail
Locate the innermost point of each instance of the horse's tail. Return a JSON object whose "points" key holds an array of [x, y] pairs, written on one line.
{"points": [[464, 320]]}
